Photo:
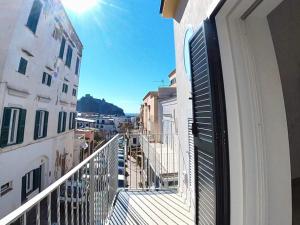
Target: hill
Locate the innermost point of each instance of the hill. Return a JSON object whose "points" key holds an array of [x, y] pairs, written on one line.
{"points": [[90, 104]]}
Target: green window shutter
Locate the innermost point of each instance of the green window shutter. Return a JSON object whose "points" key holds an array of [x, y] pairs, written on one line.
{"points": [[34, 15], [23, 191], [66, 88], [22, 66], [36, 124], [70, 121], [5, 127], [45, 131], [49, 80], [59, 122], [74, 121], [62, 48], [21, 126], [44, 78], [64, 121], [36, 178]]}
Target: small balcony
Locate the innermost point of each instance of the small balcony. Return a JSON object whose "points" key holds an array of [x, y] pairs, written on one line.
{"points": [[91, 193]]}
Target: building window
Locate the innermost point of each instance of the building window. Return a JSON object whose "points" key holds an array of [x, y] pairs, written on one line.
{"points": [[5, 188], [72, 120], [173, 81], [62, 48], [13, 124], [77, 66], [47, 79], [41, 124], [69, 56], [65, 88], [62, 117], [74, 92], [31, 182], [134, 141], [22, 66], [34, 15]]}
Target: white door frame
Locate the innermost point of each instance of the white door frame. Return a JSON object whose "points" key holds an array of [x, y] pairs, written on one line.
{"points": [[260, 180]]}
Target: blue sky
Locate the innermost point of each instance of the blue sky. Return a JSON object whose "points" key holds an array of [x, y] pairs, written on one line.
{"points": [[128, 47]]}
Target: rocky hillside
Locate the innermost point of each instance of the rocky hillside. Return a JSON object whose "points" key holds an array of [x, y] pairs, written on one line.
{"points": [[90, 104]]}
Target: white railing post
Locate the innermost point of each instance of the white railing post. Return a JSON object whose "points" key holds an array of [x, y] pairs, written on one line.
{"points": [[92, 191]]}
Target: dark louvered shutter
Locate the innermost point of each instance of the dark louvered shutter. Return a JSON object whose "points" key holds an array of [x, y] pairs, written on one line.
{"points": [[45, 131], [23, 190], [21, 126], [209, 128], [37, 124], [5, 127], [34, 15], [59, 128], [37, 178], [62, 48], [70, 121], [44, 78], [49, 80], [64, 121], [74, 121]]}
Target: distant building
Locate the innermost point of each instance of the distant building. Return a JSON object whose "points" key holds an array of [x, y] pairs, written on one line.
{"points": [[85, 143], [40, 56], [167, 113], [81, 148], [158, 111], [172, 78], [106, 124], [85, 123], [149, 113]]}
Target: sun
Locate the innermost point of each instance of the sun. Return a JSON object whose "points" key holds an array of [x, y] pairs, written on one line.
{"points": [[80, 6]]}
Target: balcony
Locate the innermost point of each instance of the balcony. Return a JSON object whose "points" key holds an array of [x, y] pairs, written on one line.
{"points": [[168, 8], [89, 193]]}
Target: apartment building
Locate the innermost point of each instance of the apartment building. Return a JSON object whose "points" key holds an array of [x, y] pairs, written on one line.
{"points": [[40, 56], [106, 124], [85, 123], [237, 65], [149, 111], [172, 78]]}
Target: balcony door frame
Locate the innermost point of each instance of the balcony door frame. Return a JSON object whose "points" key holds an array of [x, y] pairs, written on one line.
{"points": [[257, 130]]}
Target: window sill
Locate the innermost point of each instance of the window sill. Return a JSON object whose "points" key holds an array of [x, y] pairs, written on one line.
{"points": [[39, 138], [6, 191], [9, 145]]}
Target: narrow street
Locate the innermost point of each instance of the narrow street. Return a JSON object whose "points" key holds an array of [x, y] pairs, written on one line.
{"points": [[134, 180]]}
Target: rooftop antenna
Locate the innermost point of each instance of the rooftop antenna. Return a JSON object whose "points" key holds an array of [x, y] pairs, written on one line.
{"points": [[160, 81]]}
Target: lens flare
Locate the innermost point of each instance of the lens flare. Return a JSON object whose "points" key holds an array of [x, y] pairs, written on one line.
{"points": [[80, 6]]}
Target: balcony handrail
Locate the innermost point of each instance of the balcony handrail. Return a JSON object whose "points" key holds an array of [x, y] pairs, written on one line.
{"points": [[36, 199]]}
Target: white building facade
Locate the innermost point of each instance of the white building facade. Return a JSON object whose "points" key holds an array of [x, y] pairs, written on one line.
{"points": [[106, 124], [40, 56], [237, 67]]}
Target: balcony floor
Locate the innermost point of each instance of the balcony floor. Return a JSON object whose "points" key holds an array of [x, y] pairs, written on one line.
{"points": [[150, 207]]}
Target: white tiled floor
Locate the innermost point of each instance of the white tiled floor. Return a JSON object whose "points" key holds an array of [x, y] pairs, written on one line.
{"points": [[150, 207]]}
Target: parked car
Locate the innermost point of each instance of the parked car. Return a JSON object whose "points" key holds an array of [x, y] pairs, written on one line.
{"points": [[121, 171], [77, 186], [121, 163], [121, 181]]}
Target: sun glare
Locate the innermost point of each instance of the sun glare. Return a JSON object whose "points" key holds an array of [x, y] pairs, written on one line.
{"points": [[80, 6]]}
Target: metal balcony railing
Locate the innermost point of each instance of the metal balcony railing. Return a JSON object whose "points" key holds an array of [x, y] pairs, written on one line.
{"points": [[90, 193], [83, 196], [155, 161]]}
